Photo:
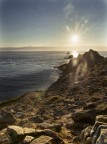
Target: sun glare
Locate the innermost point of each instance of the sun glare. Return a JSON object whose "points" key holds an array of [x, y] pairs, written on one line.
{"points": [[74, 38], [75, 54]]}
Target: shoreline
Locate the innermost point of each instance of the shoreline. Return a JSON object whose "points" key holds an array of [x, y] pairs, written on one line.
{"points": [[66, 111], [9, 101], [15, 86]]}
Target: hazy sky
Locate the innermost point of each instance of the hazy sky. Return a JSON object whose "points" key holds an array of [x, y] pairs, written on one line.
{"points": [[52, 22]]}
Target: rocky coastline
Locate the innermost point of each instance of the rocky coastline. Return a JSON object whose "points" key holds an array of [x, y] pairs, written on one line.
{"points": [[73, 110]]}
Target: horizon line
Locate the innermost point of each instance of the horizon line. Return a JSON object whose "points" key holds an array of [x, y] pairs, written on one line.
{"points": [[52, 46]]}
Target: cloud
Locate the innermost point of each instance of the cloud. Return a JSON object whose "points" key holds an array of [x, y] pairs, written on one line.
{"points": [[68, 10]]}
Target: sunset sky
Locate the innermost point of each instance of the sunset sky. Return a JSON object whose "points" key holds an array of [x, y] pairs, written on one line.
{"points": [[53, 23]]}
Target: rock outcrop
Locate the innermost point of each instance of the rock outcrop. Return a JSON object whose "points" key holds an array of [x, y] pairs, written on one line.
{"points": [[96, 134], [86, 60]]}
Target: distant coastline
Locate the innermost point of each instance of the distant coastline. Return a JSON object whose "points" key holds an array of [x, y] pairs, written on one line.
{"points": [[54, 48]]}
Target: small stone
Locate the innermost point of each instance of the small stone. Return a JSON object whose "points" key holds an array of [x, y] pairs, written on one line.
{"points": [[19, 115], [28, 139], [36, 119], [42, 140]]}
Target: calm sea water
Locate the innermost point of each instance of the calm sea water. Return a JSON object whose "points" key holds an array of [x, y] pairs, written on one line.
{"points": [[21, 72]]}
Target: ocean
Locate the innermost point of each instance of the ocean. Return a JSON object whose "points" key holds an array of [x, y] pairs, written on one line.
{"points": [[24, 71], [21, 72]]}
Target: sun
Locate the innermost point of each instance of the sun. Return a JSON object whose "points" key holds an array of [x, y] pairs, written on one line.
{"points": [[74, 38]]}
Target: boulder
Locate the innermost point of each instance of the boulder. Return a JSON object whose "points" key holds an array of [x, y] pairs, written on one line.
{"points": [[15, 134], [15, 130], [6, 119], [86, 116], [82, 117]]}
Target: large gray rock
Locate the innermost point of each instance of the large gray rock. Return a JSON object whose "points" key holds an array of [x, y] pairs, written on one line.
{"points": [[6, 119], [82, 119], [15, 130], [86, 116]]}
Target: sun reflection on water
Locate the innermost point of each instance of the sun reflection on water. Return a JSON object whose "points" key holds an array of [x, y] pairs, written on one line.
{"points": [[75, 54]]}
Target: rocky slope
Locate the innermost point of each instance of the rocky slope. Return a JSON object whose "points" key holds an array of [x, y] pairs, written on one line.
{"points": [[66, 112]]}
